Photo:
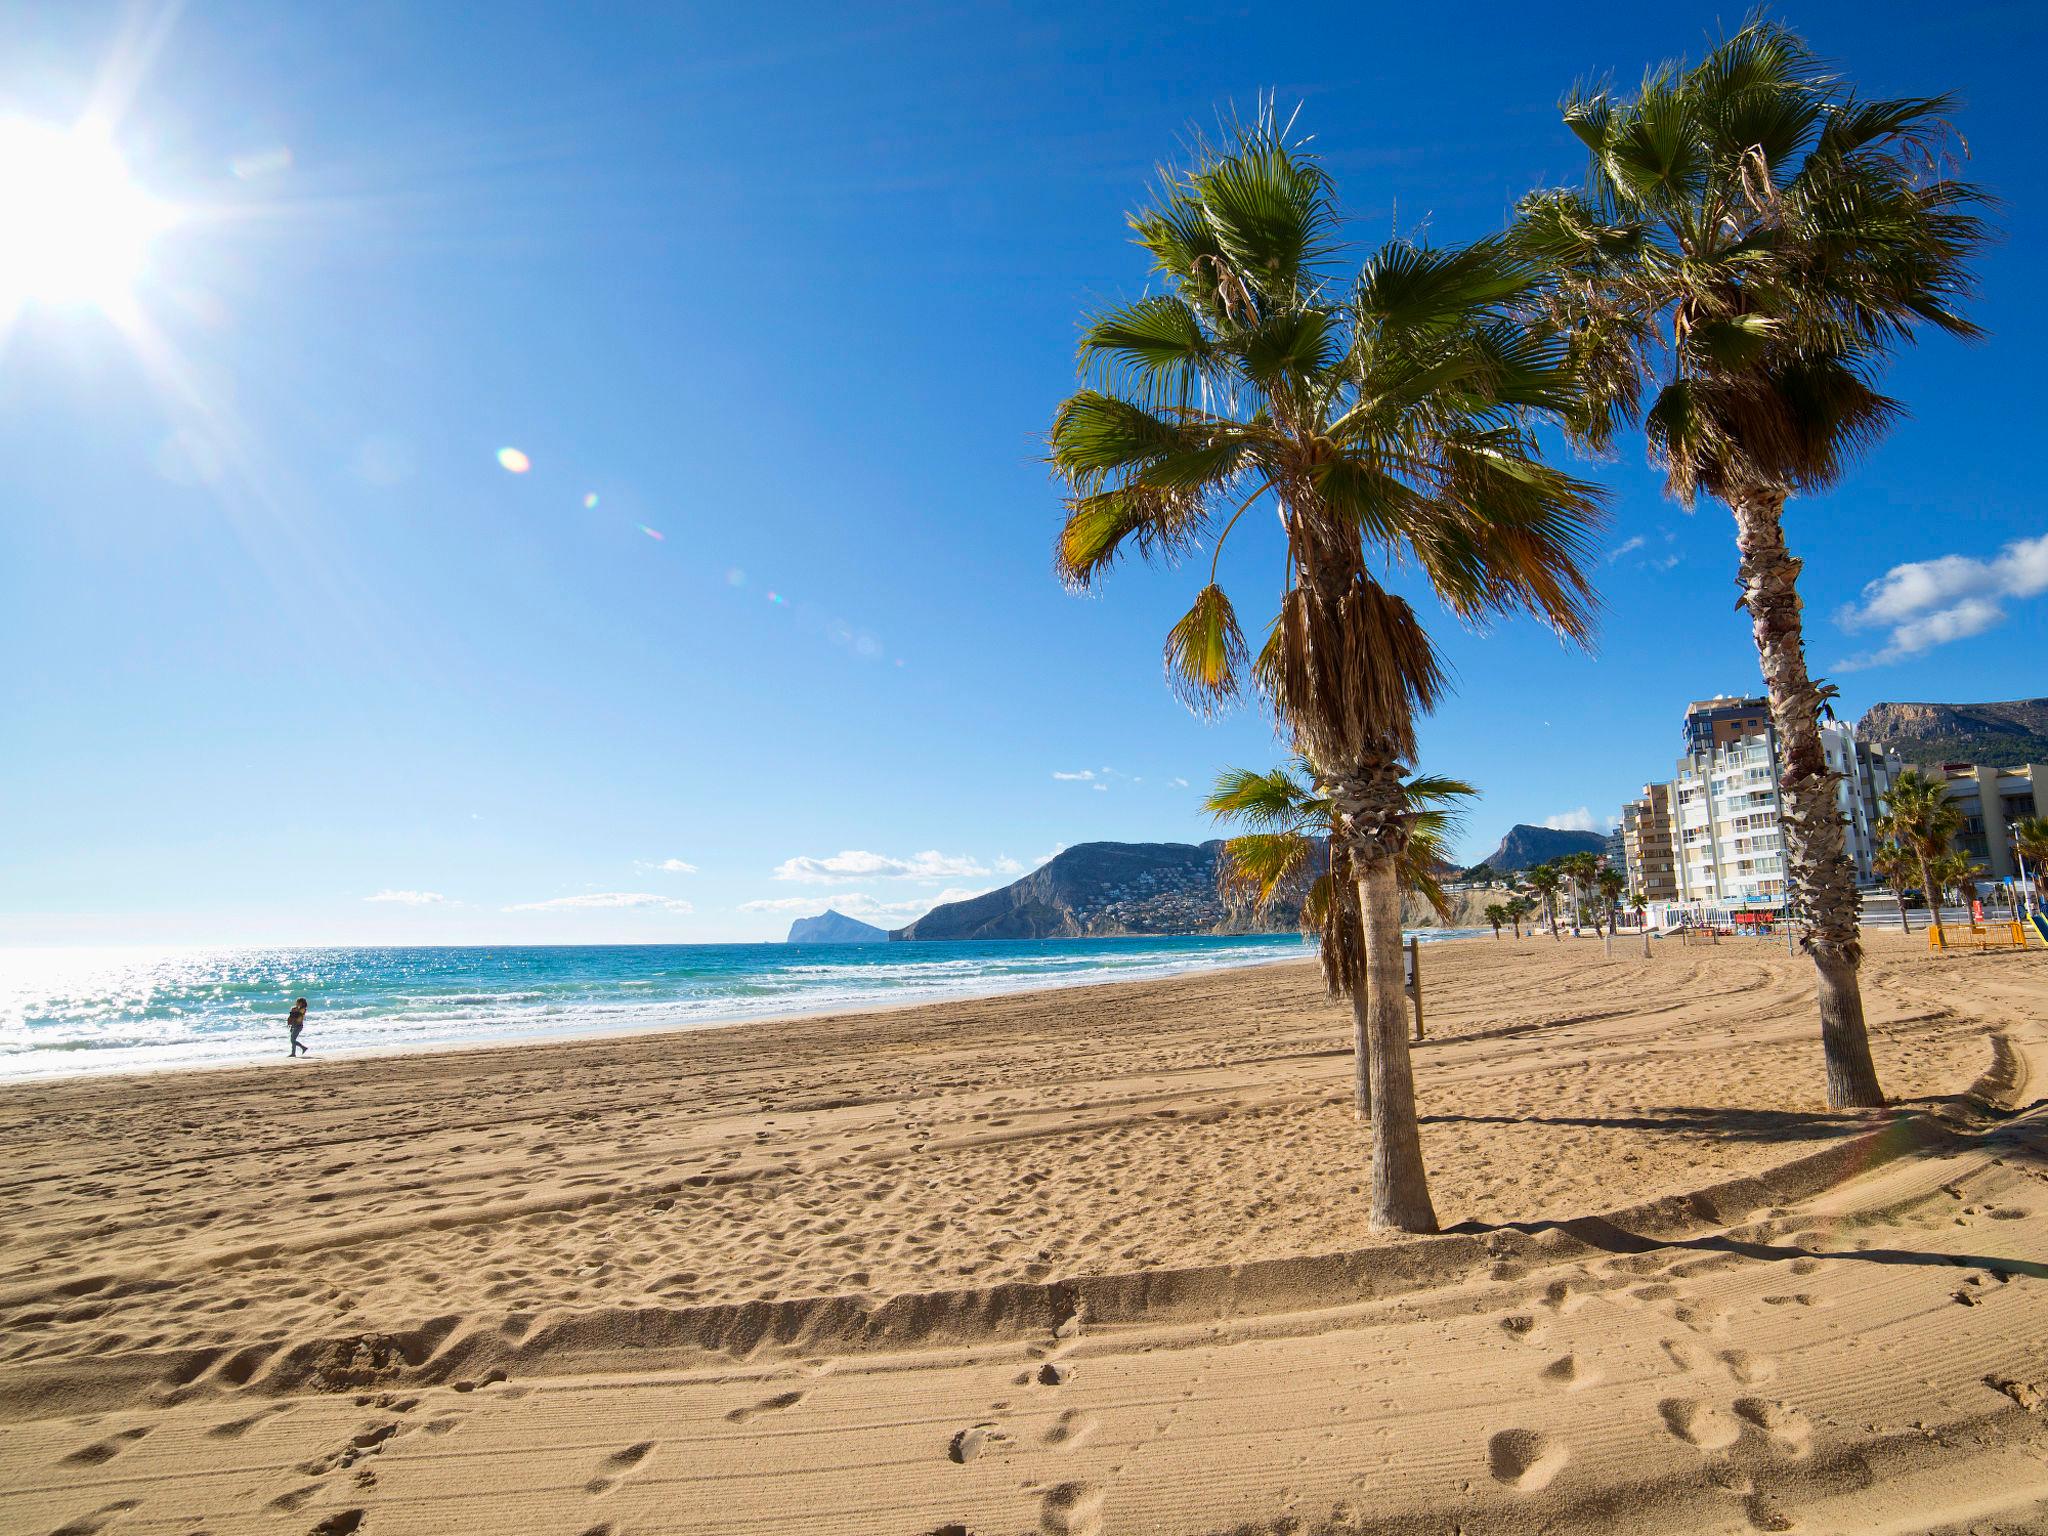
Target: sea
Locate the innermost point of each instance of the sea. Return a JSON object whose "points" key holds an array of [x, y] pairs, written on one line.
{"points": [[65, 1012]]}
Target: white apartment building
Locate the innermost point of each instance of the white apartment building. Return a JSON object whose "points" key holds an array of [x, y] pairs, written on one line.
{"points": [[1728, 845]]}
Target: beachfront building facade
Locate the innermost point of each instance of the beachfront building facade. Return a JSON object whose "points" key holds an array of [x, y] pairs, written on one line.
{"points": [[1646, 845], [1711, 841], [1991, 800]]}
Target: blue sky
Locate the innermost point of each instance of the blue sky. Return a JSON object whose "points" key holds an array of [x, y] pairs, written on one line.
{"points": [[795, 288]]}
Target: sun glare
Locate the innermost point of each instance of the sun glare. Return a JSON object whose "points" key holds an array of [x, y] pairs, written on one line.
{"points": [[79, 229]]}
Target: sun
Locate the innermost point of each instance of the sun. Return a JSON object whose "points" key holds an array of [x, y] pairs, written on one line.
{"points": [[78, 230]]}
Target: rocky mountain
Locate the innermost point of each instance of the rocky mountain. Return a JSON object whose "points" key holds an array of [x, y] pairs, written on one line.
{"points": [[830, 927], [2002, 734], [1526, 845], [1102, 890]]}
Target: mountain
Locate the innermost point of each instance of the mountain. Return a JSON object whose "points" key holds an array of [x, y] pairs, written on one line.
{"points": [[1101, 890], [830, 927], [1526, 845], [2002, 734]]}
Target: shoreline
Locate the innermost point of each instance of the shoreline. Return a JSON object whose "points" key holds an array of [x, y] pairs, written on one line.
{"points": [[583, 1032]]}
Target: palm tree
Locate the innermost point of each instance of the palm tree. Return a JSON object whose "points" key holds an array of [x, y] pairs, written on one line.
{"points": [[1958, 872], [1387, 420], [1893, 865], [1582, 869], [1496, 914], [1641, 904], [1518, 908], [1921, 818], [1612, 883], [1544, 880], [2030, 837], [1753, 243], [1295, 846]]}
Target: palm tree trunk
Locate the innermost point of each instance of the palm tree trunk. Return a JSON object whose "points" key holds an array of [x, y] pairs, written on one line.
{"points": [[1372, 804], [1933, 899], [1900, 897], [1400, 1184], [1361, 1053], [1818, 872]]}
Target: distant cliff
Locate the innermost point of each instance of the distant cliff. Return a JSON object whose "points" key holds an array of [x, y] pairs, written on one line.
{"points": [[1101, 890], [1526, 845], [830, 927], [1111, 890], [2001, 734]]}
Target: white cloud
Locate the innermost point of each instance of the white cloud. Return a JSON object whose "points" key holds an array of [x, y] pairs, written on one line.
{"points": [[1626, 547], [1581, 820], [1178, 783], [1005, 865], [1926, 603], [410, 898], [666, 866], [855, 864], [1083, 775], [607, 900], [858, 904], [1103, 787]]}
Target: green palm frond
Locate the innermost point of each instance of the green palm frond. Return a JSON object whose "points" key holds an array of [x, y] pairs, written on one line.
{"points": [[1205, 653]]}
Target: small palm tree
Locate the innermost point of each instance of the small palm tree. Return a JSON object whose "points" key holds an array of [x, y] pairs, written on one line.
{"points": [[1958, 872], [1894, 865], [1293, 847], [1388, 418], [1754, 241], [1583, 869], [1641, 904], [2030, 837], [1496, 914], [1921, 818], [1518, 907], [1546, 880]]}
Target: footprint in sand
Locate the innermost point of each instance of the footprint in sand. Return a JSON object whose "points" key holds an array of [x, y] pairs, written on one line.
{"points": [[343, 1522], [101, 1451], [775, 1404], [234, 1429], [97, 1521], [1698, 1423], [615, 1468], [1767, 1514], [1073, 1429], [1788, 1428], [1519, 1325], [1748, 1369], [1071, 1509], [1686, 1355], [1571, 1373], [971, 1442], [1526, 1459], [1054, 1373]]}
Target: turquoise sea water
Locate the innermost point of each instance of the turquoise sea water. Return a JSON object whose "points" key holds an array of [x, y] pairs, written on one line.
{"points": [[74, 1011]]}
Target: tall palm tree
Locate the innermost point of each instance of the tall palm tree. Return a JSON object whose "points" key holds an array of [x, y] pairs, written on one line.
{"points": [[2030, 837], [1546, 880], [1753, 242], [1496, 914], [1386, 419], [1295, 845], [1922, 819], [1581, 869], [1612, 883]]}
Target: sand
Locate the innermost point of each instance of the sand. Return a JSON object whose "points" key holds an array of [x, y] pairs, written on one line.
{"points": [[1090, 1260]]}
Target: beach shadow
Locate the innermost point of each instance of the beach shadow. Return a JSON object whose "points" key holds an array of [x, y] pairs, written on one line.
{"points": [[1757, 1125], [1598, 1232]]}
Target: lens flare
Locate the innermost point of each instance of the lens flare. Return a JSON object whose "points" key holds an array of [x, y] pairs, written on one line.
{"points": [[589, 500], [513, 461], [653, 533], [735, 577], [776, 598]]}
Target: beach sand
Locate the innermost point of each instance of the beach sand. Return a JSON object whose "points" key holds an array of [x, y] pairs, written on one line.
{"points": [[1089, 1260]]}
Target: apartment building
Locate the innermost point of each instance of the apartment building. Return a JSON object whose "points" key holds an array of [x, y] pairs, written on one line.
{"points": [[1647, 846], [1725, 838], [1991, 800]]}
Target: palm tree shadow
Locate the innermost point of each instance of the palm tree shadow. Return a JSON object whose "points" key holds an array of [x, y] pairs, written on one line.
{"points": [[1717, 1121], [1599, 1232]]}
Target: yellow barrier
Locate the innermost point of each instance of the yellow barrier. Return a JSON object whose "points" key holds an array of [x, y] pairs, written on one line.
{"points": [[1977, 936]]}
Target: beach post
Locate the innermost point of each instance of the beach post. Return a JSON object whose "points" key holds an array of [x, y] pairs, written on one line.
{"points": [[1411, 979]]}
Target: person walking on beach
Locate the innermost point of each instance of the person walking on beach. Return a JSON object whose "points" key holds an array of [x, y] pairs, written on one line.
{"points": [[295, 1022]]}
